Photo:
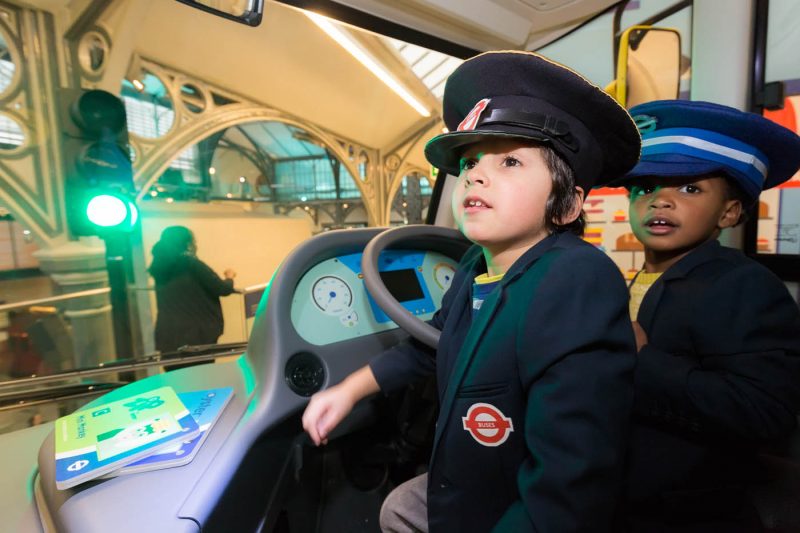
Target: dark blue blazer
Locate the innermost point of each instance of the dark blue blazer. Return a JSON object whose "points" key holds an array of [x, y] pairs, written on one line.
{"points": [[719, 376], [551, 349]]}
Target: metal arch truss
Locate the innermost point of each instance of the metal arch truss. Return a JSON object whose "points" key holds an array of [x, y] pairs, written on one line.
{"points": [[328, 215], [222, 109]]}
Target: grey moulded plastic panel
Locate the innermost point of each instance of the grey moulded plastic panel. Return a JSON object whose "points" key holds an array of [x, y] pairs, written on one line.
{"points": [[185, 498]]}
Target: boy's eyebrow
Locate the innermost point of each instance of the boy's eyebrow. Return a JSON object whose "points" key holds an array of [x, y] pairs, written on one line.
{"points": [[472, 156], [464, 158]]}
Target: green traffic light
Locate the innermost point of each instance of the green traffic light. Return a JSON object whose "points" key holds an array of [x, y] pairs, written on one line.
{"points": [[108, 211], [134, 213]]}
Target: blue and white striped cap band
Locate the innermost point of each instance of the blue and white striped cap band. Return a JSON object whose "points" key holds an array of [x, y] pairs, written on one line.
{"points": [[708, 146], [682, 138]]}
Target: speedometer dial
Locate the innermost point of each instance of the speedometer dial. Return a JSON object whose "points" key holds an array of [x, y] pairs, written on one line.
{"points": [[443, 275], [332, 295]]}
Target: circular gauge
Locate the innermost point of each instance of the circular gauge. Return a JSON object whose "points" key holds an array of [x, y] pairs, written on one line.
{"points": [[349, 319], [332, 295], [443, 275]]}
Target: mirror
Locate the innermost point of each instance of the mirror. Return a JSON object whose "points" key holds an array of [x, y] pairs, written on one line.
{"points": [[245, 11], [648, 66]]}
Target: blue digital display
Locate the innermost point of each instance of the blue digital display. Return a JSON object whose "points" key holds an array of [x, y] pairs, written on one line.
{"points": [[400, 271]]}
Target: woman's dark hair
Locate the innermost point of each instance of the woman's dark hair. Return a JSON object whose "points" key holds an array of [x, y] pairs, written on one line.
{"points": [[174, 241], [562, 196]]}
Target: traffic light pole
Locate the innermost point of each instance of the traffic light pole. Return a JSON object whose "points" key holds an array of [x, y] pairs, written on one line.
{"points": [[118, 262], [99, 190]]}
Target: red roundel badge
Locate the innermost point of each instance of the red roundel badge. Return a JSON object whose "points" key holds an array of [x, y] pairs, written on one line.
{"points": [[487, 424]]}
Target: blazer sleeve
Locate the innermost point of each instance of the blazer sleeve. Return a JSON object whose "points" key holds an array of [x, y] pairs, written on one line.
{"points": [[210, 281], [576, 358], [745, 375]]}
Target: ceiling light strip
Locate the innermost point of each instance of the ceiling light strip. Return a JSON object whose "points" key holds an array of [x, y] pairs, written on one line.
{"points": [[346, 42]]}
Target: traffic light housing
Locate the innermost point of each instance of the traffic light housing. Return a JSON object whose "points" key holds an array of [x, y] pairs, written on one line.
{"points": [[99, 177]]}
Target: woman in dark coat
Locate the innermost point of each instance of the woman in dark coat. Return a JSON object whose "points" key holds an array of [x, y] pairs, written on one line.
{"points": [[187, 291]]}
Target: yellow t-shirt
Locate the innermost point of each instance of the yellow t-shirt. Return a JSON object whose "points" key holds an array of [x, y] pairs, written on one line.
{"points": [[482, 279], [483, 285], [640, 286]]}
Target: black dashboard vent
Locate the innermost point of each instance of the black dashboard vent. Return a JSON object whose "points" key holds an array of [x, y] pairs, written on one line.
{"points": [[305, 373]]}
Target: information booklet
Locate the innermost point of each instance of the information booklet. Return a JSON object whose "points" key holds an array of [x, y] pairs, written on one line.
{"points": [[206, 406], [95, 441]]}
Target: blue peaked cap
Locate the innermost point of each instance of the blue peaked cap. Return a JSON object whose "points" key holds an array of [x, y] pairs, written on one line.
{"points": [[682, 138]]}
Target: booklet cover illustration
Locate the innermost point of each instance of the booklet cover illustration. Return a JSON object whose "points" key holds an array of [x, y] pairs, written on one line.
{"points": [[206, 406], [92, 442]]}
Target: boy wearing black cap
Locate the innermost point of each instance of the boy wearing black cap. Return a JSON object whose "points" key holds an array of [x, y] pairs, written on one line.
{"points": [[718, 335], [535, 360]]}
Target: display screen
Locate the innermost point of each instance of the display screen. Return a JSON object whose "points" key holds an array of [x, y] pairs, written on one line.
{"points": [[403, 284]]}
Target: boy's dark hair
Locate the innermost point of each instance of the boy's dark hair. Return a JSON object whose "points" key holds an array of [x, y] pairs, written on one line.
{"points": [[734, 192], [562, 196]]}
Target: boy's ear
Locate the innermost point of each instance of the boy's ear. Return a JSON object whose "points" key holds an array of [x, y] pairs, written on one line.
{"points": [[731, 214], [575, 211]]}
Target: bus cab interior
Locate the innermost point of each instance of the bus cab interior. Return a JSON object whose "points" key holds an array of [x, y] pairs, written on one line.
{"points": [[289, 135]]}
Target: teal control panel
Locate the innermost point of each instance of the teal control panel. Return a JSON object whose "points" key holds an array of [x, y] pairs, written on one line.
{"points": [[331, 303]]}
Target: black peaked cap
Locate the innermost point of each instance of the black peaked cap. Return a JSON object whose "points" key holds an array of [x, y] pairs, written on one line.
{"points": [[525, 95]]}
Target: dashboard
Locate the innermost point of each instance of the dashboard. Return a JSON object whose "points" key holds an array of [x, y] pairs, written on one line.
{"points": [[331, 304]]}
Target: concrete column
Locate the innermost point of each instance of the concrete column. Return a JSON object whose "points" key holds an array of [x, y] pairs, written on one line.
{"points": [[77, 266], [722, 50]]}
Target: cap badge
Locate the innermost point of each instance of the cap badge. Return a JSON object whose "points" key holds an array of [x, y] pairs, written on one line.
{"points": [[645, 123], [472, 118]]}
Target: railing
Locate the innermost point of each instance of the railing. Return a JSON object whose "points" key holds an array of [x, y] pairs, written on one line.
{"points": [[59, 316], [238, 317], [58, 351], [251, 297], [187, 354], [53, 299], [38, 399], [55, 333]]}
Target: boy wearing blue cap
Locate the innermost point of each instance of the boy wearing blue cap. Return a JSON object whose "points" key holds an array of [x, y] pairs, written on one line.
{"points": [[718, 371], [535, 361]]}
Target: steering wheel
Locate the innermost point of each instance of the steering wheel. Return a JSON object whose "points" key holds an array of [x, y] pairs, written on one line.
{"points": [[416, 236]]}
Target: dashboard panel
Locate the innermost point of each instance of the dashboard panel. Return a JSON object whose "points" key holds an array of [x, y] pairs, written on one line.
{"points": [[331, 303]]}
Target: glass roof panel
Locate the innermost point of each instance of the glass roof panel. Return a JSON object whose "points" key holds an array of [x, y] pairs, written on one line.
{"points": [[432, 68]]}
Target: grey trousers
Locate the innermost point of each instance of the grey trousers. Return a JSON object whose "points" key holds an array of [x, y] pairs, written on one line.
{"points": [[405, 509]]}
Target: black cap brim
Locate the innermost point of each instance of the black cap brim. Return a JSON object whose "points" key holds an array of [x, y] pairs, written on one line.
{"points": [[444, 151]]}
